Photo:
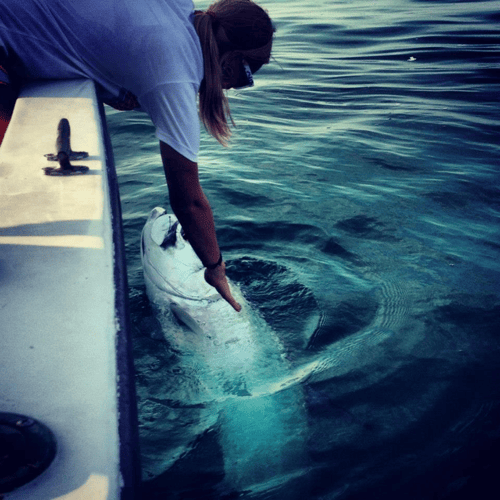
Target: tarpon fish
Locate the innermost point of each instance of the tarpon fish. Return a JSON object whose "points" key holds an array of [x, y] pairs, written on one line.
{"points": [[233, 355]]}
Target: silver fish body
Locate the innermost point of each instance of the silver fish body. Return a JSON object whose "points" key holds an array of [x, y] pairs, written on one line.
{"points": [[236, 358]]}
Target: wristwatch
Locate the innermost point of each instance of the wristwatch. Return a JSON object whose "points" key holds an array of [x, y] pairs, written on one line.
{"points": [[213, 266]]}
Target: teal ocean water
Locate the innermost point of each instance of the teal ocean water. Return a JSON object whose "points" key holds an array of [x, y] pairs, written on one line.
{"points": [[358, 208]]}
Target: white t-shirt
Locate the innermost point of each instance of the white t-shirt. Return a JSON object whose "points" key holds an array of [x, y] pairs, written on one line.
{"points": [[149, 47]]}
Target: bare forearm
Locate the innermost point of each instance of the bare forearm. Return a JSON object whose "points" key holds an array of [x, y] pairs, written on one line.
{"points": [[190, 204], [197, 220]]}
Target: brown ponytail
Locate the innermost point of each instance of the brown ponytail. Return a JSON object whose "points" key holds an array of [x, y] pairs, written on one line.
{"points": [[249, 31], [214, 106]]}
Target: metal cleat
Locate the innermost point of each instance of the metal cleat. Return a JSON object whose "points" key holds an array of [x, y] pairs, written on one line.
{"points": [[64, 153]]}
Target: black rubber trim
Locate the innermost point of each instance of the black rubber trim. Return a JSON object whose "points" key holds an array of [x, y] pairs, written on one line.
{"points": [[130, 466]]}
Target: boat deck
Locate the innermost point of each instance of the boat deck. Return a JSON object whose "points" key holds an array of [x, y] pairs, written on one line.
{"points": [[64, 356]]}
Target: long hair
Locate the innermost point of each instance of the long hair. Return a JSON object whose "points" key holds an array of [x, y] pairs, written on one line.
{"points": [[249, 31]]}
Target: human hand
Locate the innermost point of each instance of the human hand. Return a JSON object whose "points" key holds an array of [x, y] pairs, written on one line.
{"points": [[217, 278]]}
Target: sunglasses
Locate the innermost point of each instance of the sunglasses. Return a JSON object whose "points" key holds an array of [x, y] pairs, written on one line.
{"points": [[245, 78]]}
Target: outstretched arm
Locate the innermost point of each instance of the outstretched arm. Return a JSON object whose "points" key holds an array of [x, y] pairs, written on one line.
{"points": [[192, 208]]}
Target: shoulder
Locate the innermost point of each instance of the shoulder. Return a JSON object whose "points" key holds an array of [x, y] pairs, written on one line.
{"points": [[174, 112]]}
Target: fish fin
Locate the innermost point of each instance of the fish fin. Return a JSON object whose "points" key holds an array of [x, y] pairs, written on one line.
{"points": [[184, 318]]}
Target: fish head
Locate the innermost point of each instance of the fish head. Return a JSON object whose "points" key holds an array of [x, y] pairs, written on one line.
{"points": [[169, 262]]}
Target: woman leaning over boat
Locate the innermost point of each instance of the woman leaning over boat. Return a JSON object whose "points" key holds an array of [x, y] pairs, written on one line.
{"points": [[155, 55]]}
